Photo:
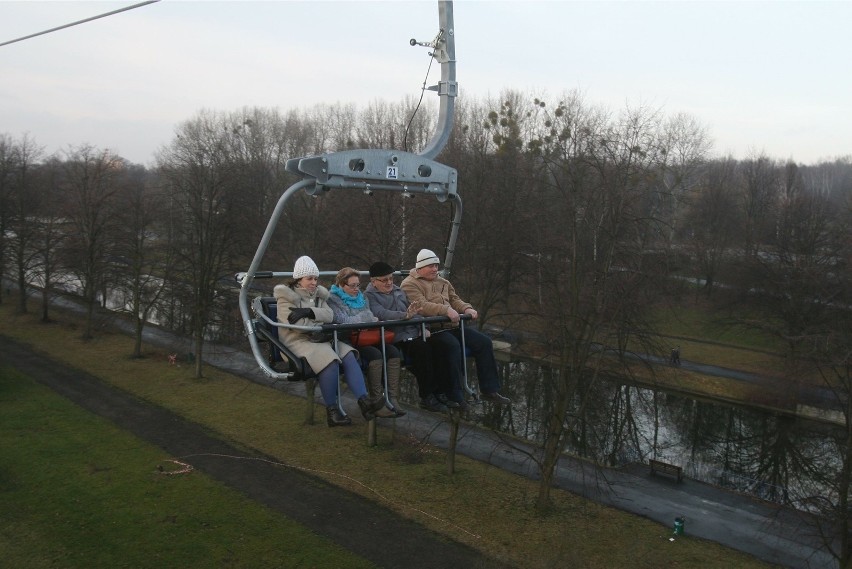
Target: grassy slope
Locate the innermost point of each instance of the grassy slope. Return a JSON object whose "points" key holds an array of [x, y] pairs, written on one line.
{"points": [[481, 505], [78, 492]]}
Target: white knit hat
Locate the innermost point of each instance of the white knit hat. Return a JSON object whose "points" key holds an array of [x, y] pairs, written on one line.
{"points": [[426, 257], [305, 267]]}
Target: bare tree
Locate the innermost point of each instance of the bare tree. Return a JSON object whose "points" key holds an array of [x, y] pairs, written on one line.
{"points": [[758, 196], [142, 243], [683, 143], [89, 186], [196, 170], [8, 161], [500, 183], [601, 173], [24, 201], [793, 286], [830, 351], [711, 221]]}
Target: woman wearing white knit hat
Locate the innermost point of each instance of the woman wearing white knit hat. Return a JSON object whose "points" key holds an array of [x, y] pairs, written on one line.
{"points": [[303, 302], [437, 297]]}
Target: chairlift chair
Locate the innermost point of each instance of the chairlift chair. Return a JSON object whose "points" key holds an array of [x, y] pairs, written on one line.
{"points": [[365, 171]]}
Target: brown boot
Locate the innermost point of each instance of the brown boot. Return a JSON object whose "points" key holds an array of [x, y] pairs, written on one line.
{"points": [[376, 384], [393, 385]]}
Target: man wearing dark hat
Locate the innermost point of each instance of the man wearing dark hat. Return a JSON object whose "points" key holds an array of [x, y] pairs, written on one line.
{"points": [[437, 297], [388, 302]]}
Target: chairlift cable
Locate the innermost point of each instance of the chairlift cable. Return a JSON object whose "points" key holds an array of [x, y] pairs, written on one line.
{"points": [[139, 5]]}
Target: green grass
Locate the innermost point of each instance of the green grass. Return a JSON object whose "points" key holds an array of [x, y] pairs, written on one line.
{"points": [[706, 334], [480, 505], [705, 321], [78, 492]]}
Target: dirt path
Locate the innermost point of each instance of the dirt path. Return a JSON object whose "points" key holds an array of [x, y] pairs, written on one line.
{"points": [[349, 520]]}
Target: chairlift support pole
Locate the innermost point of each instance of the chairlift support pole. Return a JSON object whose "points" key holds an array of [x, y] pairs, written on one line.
{"points": [[371, 170]]}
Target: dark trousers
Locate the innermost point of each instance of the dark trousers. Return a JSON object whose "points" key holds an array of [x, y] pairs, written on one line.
{"points": [[370, 353], [420, 356], [449, 359]]}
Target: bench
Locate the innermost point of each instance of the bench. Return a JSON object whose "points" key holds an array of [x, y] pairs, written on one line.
{"points": [[666, 468]]}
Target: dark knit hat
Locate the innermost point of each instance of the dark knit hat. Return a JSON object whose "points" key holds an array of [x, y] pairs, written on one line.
{"points": [[380, 269]]}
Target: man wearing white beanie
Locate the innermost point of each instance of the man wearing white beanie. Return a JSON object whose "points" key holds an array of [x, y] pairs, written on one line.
{"points": [[437, 297]]}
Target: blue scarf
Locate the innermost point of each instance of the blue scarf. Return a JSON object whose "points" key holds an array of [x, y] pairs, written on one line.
{"points": [[355, 302]]}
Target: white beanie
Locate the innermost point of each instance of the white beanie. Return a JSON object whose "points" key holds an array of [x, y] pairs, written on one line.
{"points": [[426, 257], [305, 267]]}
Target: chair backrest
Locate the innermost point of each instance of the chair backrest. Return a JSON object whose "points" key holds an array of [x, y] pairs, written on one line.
{"points": [[270, 308], [278, 352]]}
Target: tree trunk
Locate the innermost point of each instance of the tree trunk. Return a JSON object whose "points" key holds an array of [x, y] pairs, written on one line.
{"points": [[199, 345], [454, 437], [137, 344], [310, 394], [371, 433], [552, 452], [844, 481]]}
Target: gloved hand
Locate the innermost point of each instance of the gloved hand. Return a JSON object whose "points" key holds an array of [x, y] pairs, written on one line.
{"points": [[297, 314]]}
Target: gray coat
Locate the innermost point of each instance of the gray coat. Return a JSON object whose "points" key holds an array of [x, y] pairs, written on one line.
{"points": [[318, 355], [392, 306], [343, 314]]}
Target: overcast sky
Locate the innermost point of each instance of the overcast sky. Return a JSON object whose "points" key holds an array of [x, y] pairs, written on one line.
{"points": [[769, 77]]}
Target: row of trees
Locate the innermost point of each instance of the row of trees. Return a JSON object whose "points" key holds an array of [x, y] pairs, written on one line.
{"points": [[578, 221]]}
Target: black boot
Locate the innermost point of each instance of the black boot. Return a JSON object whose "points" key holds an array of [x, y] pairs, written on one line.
{"points": [[369, 408], [336, 418]]}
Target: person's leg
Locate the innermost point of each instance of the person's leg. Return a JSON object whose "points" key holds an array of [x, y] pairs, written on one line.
{"points": [[372, 357], [354, 378], [353, 375], [327, 380], [393, 366], [371, 363], [482, 349], [420, 354], [447, 357]]}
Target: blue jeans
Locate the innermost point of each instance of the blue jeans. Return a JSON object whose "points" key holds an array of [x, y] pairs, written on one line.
{"points": [[449, 359], [352, 375]]}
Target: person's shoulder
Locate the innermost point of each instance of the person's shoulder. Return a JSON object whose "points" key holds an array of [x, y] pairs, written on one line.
{"points": [[410, 279], [332, 299], [285, 292], [322, 292]]}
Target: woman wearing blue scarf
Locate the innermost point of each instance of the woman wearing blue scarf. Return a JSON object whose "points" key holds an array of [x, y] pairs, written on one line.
{"points": [[350, 306]]}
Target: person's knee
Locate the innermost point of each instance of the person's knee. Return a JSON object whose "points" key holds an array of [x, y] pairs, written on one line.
{"points": [[450, 350]]}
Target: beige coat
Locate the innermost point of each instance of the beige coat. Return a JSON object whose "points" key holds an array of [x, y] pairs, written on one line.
{"points": [[434, 296], [319, 355]]}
